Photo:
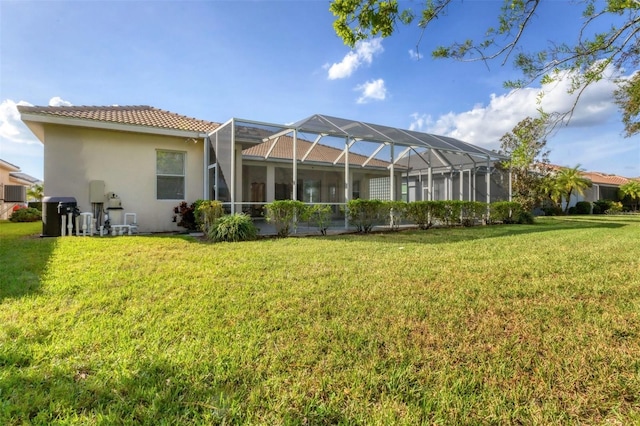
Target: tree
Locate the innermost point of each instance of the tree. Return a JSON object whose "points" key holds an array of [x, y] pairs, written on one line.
{"points": [[526, 146], [583, 62], [570, 180], [631, 189], [550, 187], [36, 192], [628, 99]]}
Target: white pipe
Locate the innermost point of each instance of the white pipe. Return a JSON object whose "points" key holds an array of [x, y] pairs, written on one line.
{"points": [[70, 224], [63, 226]]}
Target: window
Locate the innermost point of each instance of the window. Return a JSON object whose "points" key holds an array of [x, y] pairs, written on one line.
{"points": [[170, 175]]}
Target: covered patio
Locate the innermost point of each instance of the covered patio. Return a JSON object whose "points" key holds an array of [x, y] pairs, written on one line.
{"points": [[250, 163]]}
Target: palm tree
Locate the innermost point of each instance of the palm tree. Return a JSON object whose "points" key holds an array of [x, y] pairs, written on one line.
{"points": [[631, 189], [36, 192], [550, 187], [570, 180]]}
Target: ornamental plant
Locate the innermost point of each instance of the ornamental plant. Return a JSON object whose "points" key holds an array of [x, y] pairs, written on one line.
{"points": [[284, 215], [233, 228]]}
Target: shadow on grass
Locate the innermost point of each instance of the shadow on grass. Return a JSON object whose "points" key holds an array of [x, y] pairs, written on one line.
{"points": [[461, 234], [24, 257]]}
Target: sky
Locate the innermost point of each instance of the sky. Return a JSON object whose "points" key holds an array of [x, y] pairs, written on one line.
{"points": [[281, 61]]}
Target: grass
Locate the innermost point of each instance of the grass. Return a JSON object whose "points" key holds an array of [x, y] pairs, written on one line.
{"points": [[522, 324]]}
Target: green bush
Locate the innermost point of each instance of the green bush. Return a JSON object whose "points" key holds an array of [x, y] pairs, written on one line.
{"points": [[602, 206], [35, 204], [28, 214], [504, 211], [596, 209], [583, 207], [284, 214], [420, 213], [319, 215], [187, 216], [553, 210], [614, 208], [206, 213], [525, 218], [233, 228], [471, 211], [365, 214]]}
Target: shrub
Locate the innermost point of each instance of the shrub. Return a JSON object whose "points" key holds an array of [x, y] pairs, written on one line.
{"points": [[319, 215], [35, 204], [365, 214], [206, 213], [583, 207], [28, 214], [602, 206], [420, 213], [525, 218], [233, 228], [596, 209], [572, 210], [554, 210], [614, 208], [284, 215], [187, 216], [505, 211], [472, 211]]}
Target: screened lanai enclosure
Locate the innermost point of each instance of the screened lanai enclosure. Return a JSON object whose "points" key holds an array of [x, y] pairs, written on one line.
{"points": [[251, 163]]}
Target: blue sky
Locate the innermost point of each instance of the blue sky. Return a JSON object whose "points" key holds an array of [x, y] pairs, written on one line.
{"points": [[280, 61]]}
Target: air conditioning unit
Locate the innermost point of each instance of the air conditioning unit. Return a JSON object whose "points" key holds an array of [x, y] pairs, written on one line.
{"points": [[15, 194]]}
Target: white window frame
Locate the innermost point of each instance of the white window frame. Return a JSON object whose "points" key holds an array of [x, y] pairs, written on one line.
{"points": [[183, 175]]}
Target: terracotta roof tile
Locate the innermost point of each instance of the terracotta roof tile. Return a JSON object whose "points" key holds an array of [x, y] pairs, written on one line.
{"points": [[320, 153], [138, 115], [603, 178]]}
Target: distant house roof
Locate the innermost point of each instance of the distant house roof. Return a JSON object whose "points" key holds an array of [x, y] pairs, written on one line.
{"points": [[320, 153], [598, 178], [25, 177], [605, 179], [9, 166], [137, 115]]}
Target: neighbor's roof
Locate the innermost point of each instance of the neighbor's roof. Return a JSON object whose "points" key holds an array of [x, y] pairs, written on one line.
{"points": [[137, 115], [25, 177], [605, 179], [320, 153], [9, 166]]}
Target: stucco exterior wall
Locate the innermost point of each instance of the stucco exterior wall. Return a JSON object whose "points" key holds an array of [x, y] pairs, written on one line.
{"points": [[126, 162]]}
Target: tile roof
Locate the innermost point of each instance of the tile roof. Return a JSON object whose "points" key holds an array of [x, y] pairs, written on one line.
{"points": [[605, 179], [25, 177], [598, 178], [320, 153], [138, 115]]}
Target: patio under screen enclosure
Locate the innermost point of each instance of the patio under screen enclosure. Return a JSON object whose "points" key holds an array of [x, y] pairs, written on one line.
{"points": [[249, 164]]}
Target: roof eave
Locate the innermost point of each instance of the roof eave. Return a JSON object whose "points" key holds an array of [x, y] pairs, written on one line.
{"points": [[35, 122]]}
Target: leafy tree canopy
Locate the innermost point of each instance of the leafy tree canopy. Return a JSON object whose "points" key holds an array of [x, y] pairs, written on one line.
{"points": [[525, 144], [584, 61]]}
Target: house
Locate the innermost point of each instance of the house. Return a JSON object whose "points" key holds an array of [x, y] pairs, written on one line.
{"points": [[604, 186], [146, 160], [13, 188]]}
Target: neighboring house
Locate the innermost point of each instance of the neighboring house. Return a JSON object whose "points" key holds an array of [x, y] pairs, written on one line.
{"points": [[150, 160], [13, 188], [603, 187]]}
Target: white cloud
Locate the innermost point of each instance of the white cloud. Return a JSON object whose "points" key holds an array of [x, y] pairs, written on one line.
{"points": [[485, 124], [372, 90], [416, 56], [58, 101], [363, 54], [13, 130]]}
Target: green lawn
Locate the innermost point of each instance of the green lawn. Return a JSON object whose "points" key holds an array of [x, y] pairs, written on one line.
{"points": [[521, 324]]}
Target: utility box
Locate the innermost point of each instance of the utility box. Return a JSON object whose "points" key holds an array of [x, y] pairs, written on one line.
{"points": [[53, 208], [96, 191]]}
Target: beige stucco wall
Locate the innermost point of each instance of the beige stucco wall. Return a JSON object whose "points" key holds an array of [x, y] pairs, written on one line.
{"points": [[126, 162]]}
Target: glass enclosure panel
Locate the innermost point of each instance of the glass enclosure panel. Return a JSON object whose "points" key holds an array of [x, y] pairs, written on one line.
{"points": [[254, 180], [224, 156]]}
